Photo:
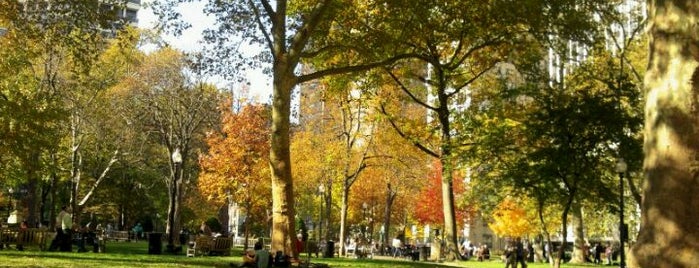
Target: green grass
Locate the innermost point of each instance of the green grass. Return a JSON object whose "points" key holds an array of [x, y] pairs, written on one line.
{"points": [[135, 254]]}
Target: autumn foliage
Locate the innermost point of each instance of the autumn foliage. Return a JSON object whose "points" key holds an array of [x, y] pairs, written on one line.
{"points": [[428, 204], [510, 220], [237, 161]]}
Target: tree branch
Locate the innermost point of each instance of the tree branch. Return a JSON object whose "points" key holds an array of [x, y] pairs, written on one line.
{"points": [[113, 160]]}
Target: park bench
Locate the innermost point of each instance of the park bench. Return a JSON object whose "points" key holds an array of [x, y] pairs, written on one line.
{"points": [[221, 246], [350, 250], [311, 247], [119, 236], [200, 246], [38, 237]]}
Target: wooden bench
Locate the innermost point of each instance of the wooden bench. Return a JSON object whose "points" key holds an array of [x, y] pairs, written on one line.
{"points": [[311, 246], [38, 237], [201, 246], [119, 236], [221, 246]]}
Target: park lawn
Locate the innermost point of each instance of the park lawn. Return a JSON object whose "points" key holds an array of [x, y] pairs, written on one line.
{"points": [[388, 262], [134, 254], [119, 254]]}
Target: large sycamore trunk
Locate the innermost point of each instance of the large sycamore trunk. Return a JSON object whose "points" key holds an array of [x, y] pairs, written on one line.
{"points": [[579, 249], [283, 225], [669, 234]]}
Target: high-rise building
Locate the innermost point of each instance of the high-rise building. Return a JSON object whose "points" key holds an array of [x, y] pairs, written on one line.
{"points": [[129, 13]]}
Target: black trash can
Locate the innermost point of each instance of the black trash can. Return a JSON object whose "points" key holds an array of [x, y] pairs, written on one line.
{"points": [[329, 249], [155, 243], [183, 238]]}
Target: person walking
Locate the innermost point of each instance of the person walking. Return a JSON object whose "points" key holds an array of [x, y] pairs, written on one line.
{"points": [[64, 231], [608, 253], [598, 249], [521, 253], [510, 255], [137, 231], [397, 244]]}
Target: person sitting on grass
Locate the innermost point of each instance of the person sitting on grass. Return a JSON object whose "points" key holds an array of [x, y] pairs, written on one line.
{"points": [[281, 260], [249, 259], [264, 259]]}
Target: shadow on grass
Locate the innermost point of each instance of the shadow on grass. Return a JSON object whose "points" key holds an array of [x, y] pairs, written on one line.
{"points": [[379, 262], [118, 254]]}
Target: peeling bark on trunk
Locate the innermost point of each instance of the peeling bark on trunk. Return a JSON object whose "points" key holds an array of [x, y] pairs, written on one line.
{"points": [[283, 225], [579, 249], [390, 196], [669, 234]]}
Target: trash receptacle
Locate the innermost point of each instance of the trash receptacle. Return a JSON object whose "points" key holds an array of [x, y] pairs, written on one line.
{"points": [[424, 252], [329, 249], [183, 238], [155, 243]]}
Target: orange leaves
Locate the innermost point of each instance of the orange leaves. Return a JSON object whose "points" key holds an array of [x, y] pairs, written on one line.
{"points": [[237, 158], [428, 204], [510, 219]]}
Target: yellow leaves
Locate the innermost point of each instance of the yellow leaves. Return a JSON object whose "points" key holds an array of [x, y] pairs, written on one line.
{"points": [[237, 158], [510, 219]]}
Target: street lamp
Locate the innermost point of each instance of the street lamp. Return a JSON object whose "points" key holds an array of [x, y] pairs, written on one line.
{"points": [[9, 203], [176, 160], [364, 209], [621, 169], [321, 193]]}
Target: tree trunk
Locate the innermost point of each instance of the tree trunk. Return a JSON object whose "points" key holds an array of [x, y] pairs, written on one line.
{"points": [[452, 250], [283, 224], [547, 236], [327, 199], [390, 196], [178, 206], [669, 234], [580, 250], [32, 188], [560, 253], [172, 194], [343, 218]]}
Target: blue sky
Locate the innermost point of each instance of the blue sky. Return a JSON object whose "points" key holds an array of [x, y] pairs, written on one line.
{"points": [[188, 41]]}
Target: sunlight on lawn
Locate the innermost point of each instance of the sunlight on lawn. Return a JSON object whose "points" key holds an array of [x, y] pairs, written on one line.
{"points": [[134, 254]]}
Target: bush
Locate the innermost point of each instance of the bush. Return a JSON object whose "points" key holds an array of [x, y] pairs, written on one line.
{"points": [[214, 224]]}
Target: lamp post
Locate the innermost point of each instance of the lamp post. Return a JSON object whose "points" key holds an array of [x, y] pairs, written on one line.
{"points": [[176, 160], [621, 169], [321, 193], [364, 228], [9, 202]]}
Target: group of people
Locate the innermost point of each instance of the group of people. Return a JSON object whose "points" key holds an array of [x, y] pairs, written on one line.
{"points": [[23, 226], [516, 253], [597, 250], [404, 250], [469, 250], [65, 230], [259, 257]]}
